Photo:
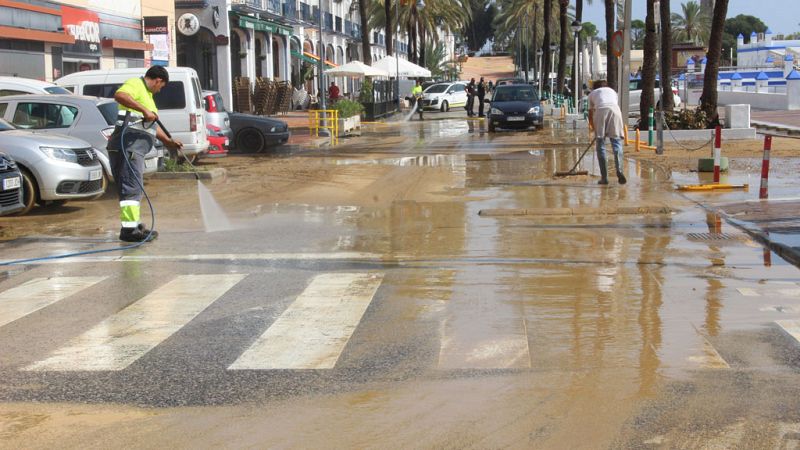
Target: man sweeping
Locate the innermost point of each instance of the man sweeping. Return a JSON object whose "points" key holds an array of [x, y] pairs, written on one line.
{"points": [[606, 120], [130, 142]]}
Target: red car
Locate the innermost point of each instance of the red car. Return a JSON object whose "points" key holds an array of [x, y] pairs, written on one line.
{"points": [[218, 143]]}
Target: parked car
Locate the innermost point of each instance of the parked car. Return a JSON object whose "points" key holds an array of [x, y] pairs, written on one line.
{"points": [[636, 95], [515, 106], [18, 86], [442, 96], [88, 118], [54, 168], [10, 186], [180, 107], [218, 142], [506, 81], [216, 114], [257, 133]]}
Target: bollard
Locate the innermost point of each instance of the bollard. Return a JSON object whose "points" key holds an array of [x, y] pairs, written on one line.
{"points": [[650, 123], [764, 191], [638, 142], [625, 133], [717, 151]]}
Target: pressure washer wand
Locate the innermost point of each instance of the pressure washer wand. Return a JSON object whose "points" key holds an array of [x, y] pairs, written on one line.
{"points": [[164, 129]]}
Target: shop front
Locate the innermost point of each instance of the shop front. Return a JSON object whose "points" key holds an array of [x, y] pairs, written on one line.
{"points": [[84, 26]]}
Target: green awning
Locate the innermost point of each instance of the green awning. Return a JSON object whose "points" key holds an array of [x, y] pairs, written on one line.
{"points": [[313, 59], [264, 25]]}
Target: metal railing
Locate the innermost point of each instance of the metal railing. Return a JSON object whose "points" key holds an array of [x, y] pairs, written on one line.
{"points": [[324, 119]]}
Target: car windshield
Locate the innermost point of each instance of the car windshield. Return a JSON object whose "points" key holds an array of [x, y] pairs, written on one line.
{"points": [[515, 93], [437, 89], [56, 90], [4, 126]]}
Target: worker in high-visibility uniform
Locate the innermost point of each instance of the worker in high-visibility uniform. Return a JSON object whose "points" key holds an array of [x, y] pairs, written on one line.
{"points": [[128, 145], [416, 94]]}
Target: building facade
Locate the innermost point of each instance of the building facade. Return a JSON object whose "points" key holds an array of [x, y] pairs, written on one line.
{"points": [[47, 39]]}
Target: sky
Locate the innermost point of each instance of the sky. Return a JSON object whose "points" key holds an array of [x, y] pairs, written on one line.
{"points": [[777, 14]]}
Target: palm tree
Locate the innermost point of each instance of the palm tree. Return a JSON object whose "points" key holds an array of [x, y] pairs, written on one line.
{"points": [[611, 60], [563, 6], [647, 99], [708, 104], [387, 12], [667, 101], [546, 16], [692, 25], [366, 50], [428, 21]]}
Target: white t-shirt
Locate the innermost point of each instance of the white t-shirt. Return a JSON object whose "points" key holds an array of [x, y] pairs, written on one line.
{"points": [[602, 97]]}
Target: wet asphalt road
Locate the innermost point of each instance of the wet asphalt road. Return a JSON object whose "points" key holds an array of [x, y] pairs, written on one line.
{"points": [[423, 324]]}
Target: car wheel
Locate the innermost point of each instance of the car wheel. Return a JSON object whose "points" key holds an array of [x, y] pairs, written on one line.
{"points": [[445, 106], [250, 139], [29, 192], [491, 127]]}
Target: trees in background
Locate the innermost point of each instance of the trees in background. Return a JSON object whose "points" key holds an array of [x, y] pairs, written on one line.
{"points": [[692, 24], [741, 24]]}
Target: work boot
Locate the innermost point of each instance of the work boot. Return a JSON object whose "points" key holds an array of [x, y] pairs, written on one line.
{"points": [[138, 234], [603, 171], [621, 178]]}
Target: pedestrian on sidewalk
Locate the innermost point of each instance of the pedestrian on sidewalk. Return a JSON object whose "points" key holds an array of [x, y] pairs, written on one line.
{"points": [[605, 118], [481, 96], [471, 98]]}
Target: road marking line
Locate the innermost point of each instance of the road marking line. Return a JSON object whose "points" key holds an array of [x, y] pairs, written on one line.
{"points": [[747, 292], [789, 292], [314, 330], [121, 339], [223, 256], [509, 351], [791, 327], [38, 293]]}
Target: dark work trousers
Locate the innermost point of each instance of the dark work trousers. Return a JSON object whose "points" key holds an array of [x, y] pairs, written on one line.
{"points": [[480, 104], [470, 105], [129, 177]]}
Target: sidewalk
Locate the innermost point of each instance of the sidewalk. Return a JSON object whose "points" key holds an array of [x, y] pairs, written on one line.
{"points": [[775, 224], [787, 122]]}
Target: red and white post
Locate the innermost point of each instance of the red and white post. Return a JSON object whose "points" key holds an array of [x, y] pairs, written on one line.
{"points": [[764, 191], [717, 152]]}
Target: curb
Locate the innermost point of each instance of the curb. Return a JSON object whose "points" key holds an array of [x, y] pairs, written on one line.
{"points": [[777, 127], [619, 210], [215, 175], [788, 253]]}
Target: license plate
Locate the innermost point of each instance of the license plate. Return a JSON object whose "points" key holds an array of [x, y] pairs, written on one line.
{"points": [[516, 119], [95, 174], [227, 143], [150, 163], [11, 183]]}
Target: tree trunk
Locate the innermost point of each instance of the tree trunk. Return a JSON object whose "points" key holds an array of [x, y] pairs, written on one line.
{"points": [[708, 102], [366, 49], [421, 45], [579, 18], [412, 33], [611, 64], [648, 85], [546, 68], [387, 9], [667, 100], [562, 51]]}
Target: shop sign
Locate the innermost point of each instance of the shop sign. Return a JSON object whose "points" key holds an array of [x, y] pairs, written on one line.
{"points": [[155, 25], [84, 26], [188, 24]]}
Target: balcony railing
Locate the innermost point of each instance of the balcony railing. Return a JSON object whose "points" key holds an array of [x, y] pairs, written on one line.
{"points": [[276, 7]]}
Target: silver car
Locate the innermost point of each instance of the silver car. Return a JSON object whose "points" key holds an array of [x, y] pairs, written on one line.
{"points": [[216, 114], [54, 168], [88, 118]]}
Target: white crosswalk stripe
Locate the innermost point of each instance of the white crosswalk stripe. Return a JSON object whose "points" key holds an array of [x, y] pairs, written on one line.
{"points": [[123, 338], [791, 327], [314, 330], [38, 293]]}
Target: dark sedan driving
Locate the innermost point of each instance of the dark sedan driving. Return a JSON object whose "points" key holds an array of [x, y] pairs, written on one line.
{"points": [[515, 106]]}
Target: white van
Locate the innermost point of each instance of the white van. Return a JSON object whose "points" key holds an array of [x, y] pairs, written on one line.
{"points": [[179, 105], [18, 86]]}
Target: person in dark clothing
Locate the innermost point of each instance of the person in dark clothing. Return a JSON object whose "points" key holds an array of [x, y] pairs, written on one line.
{"points": [[471, 98], [481, 96]]}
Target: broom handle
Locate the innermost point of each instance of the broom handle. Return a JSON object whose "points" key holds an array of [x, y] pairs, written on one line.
{"points": [[584, 154]]}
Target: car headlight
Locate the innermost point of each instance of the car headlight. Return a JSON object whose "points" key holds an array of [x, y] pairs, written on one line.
{"points": [[534, 110], [61, 154], [273, 129], [495, 111]]}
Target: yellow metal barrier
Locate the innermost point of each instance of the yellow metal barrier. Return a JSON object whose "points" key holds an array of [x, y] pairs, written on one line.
{"points": [[324, 119]]}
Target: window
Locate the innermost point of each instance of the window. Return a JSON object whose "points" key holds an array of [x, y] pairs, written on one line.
{"points": [[101, 90], [56, 90], [44, 115], [5, 92], [3, 107], [459, 88], [110, 111], [172, 96]]}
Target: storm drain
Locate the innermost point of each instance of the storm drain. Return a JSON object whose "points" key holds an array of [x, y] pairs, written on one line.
{"points": [[712, 237]]}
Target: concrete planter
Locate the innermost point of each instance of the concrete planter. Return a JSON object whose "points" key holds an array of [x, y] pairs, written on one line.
{"points": [[349, 124]]}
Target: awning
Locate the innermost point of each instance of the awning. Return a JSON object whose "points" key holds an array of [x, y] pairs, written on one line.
{"points": [[127, 45], [311, 58], [263, 25], [27, 34]]}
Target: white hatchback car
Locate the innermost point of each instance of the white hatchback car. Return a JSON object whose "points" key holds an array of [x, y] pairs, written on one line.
{"points": [[443, 96], [18, 85]]}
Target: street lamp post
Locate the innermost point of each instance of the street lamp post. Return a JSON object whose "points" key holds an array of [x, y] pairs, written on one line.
{"points": [[539, 54], [396, 56], [553, 49], [576, 28]]}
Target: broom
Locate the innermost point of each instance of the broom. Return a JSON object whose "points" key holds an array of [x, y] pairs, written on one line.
{"points": [[573, 172]]}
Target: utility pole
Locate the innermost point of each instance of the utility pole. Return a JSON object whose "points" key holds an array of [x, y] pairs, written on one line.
{"points": [[625, 67]]}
